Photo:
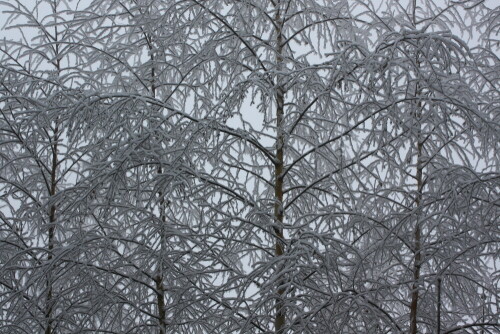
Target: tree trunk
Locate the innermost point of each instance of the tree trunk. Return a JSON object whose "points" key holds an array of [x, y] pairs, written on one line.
{"points": [[279, 321], [438, 306], [417, 233], [52, 191], [160, 290], [160, 303], [51, 232]]}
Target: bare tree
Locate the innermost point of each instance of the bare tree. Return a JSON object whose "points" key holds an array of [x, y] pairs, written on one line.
{"points": [[250, 166], [41, 159]]}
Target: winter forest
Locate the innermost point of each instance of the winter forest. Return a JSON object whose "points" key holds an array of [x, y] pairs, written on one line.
{"points": [[250, 166]]}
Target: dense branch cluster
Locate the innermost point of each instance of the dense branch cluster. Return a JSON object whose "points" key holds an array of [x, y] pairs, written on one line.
{"points": [[264, 166]]}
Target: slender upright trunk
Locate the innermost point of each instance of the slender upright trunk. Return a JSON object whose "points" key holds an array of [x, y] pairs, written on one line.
{"points": [[418, 231], [51, 232], [49, 303], [417, 234], [160, 303], [279, 320], [160, 289], [438, 306], [418, 257]]}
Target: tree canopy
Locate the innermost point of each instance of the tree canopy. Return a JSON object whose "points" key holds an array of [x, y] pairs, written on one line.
{"points": [[236, 166]]}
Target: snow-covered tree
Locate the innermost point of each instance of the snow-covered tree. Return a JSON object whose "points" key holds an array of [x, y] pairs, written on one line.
{"points": [[305, 166], [41, 159]]}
